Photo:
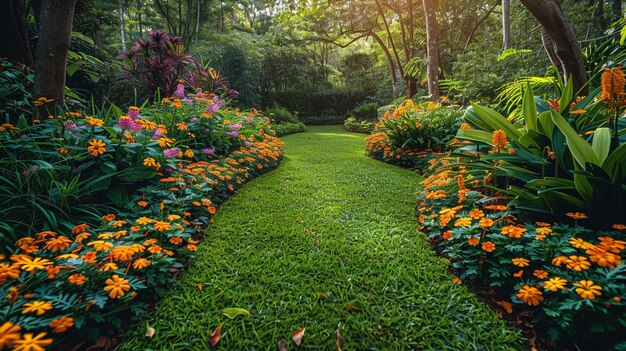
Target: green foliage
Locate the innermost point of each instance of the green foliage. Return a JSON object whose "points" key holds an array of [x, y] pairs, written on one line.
{"points": [[281, 115], [359, 125], [367, 111], [16, 84], [283, 129]]}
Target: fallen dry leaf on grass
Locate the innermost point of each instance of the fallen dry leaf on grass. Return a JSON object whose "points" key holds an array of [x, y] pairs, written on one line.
{"points": [[281, 345], [214, 339], [338, 339], [200, 286], [297, 336], [150, 332]]}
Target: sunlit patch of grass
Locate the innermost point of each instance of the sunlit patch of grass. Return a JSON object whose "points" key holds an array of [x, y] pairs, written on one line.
{"points": [[328, 241]]}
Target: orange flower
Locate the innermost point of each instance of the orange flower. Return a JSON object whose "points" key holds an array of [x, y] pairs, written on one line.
{"points": [[603, 258], [485, 222], [559, 260], [58, 243], [619, 226], [8, 271], [142, 203], [101, 245], [476, 213], [499, 139], [141, 263], [579, 243], [519, 274], [513, 231], [176, 240], [162, 226], [109, 217], [9, 333], [543, 230], [77, 279], [541, 274], [577, 263], [463, 221], [116, 286], [530, 295], [30, 343], [38, 307], [473, 241], [488, 246], [576, 215], [555, 284], [613, 82], [521, 262], [587, 290], [61, 324], [109, 266], [30, 265], [96, 147], [447, 235], [612, 245], [90, 256]]}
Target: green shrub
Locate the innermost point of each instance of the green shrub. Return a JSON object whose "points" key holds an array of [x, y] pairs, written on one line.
{"points": [[322, 120], [365, 111], [283, 129], [281, 115], [359, 126]]}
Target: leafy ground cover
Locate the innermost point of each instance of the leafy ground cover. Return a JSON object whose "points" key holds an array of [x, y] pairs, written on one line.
{"points": [[328, 242]]}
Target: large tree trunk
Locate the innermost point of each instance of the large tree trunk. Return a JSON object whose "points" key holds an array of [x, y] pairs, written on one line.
{"points": [[432, 68], [14, 43], [51, 54], [122, 24], [564, 51], [506, 24]]}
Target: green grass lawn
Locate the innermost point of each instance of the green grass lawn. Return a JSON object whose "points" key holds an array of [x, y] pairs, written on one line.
{"points": [[328, 241]]}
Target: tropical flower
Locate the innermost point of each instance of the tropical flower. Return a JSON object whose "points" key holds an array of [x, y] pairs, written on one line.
{"points": [[39, 307], [96, 147], [587, 290], [499, 139], [61, 324], [30, 343], [530, 295], [555, 284], [613, 81], [9, 333], [116, 286]]}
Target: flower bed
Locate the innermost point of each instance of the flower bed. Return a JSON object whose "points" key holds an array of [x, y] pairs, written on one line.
{"points": [[84, 282]]}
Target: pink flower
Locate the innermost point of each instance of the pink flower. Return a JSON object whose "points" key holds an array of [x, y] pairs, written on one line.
{"points": [[207, 151], [157, 134], [180, 91], [133, 112], [171, 153], [127, 123]]}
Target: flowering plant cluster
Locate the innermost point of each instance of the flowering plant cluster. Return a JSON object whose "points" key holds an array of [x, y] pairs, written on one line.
{"points": [[379, 146], [423, 126], [567, 277], [171, 166]]}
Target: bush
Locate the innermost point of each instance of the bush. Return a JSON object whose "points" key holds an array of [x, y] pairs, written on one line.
{"points": [[365, 112], [322, 120], [16, 84], [167, 169], [288, 128], [359, 126], [281, 115], [419, 127], [380, 147], [327, 103]]}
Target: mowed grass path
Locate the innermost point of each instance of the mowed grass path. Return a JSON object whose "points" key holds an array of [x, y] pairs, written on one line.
{"points": [[328, 241]]}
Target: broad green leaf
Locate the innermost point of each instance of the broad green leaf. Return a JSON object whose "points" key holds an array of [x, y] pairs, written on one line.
{"points": [[235, 312], [601, 143], [530, 110], [545, 124], [615, 162], [583, 187], [579, 148], [475, 135], [497, 121], [566, 95]]}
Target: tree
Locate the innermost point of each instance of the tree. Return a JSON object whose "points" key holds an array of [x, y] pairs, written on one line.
{"points": [[432, 68], [506, 24], [55, 28], [559, 41], [14, 36]]}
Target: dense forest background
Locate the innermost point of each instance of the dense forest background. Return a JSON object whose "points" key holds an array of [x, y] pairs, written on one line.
{"points": [[315, 57]]}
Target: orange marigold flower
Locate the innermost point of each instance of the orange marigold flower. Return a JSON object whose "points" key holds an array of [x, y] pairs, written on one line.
{"points": [[543, 230], [447, 235], [513, 231], [38, 307], [96, 147], [80, 237], [144, 220], [155, 249], [9, 333], [61, 324], [176, 240], [109, 217], [499, 139], [577, 263], [541, 274], [530, 295], [587, 289], [488, 246], [559, 260], [58, 243], [101, 245], [123, 253], [77, 279], [28, 342], [80, 229], [612, 245], [580, 243], [485, 222], [519, 274], [116, 286], [576, 215], [521, 262], [476, 214], [603, 258], [542, 224], [141, 263], [619, 226], [473, 241], [109, 266], [162, 226], [555, 284], [142, 203]]}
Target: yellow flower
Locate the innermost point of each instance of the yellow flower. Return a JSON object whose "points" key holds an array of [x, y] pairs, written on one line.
{"points": [[116, 286], [189, 153], [9, 333], [61, 324], [530, 295], [587, 290], [580, 243], [96, 147], [143, 220], [30, 265], [149, 161], [101, 245], [39, 307], [109, 266], [463, 221], [559, 260], [555, 284], [521, 262], [30, 343], [603, 258], [476, 214], [162, 226], [95, 121]]}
